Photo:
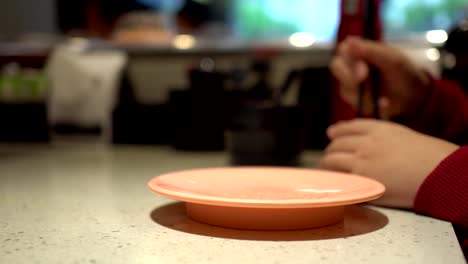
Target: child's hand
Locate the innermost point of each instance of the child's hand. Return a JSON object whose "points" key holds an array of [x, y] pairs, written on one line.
{"points": [[402, 82], [395, 155]]}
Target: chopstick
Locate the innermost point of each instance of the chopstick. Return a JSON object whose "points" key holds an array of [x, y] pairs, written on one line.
{"points": [[362, 89], [373, 81], [375, 91]]}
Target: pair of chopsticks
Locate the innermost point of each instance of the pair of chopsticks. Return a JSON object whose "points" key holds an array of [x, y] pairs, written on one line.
{"points": [[373, 81]]}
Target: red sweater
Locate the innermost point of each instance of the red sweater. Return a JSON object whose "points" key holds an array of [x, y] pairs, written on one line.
{"points": [[444, 114], [444, 193]]}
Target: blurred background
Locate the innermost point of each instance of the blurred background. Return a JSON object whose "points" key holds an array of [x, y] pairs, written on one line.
{"points": [[248, 76]]}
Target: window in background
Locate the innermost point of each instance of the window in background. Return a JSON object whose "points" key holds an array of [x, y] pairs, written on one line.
{"points": [[279, 18], [402, 17], [269, 19]]}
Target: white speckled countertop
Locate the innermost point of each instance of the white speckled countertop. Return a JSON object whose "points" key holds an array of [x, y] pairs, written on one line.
{"points": [[88, 203]]}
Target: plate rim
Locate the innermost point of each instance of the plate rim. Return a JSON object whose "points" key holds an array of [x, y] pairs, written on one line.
{"points": [[257, 203]]}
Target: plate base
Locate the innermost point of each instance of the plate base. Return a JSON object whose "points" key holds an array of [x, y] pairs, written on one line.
{"points": [[265, 218]]}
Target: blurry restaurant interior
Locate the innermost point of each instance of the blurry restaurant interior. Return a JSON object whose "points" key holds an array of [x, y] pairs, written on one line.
{"points": [[250, 76]]}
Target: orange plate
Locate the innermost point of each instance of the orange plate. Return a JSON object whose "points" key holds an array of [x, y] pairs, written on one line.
{"points": [[266, 198]]}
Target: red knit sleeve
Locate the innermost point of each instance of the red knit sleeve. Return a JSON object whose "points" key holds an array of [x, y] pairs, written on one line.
{"points": [[443, 113], [444, 193]]}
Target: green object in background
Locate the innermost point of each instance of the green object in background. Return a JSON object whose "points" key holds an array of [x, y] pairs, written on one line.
{"points": [[23, 85], [419, 16], [16, 85], [37, 86], [8, 87], [256, 22], [2, 83]]}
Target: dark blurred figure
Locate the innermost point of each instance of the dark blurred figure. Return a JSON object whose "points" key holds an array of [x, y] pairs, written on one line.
{"points": [[94, 17], [455, 59], [99, 17], [193, 16]]}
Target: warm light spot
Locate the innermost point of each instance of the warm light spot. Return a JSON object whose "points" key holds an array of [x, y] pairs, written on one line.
{"points": [[433, 54], [301, 39], [436, 36], [184, 42]]}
